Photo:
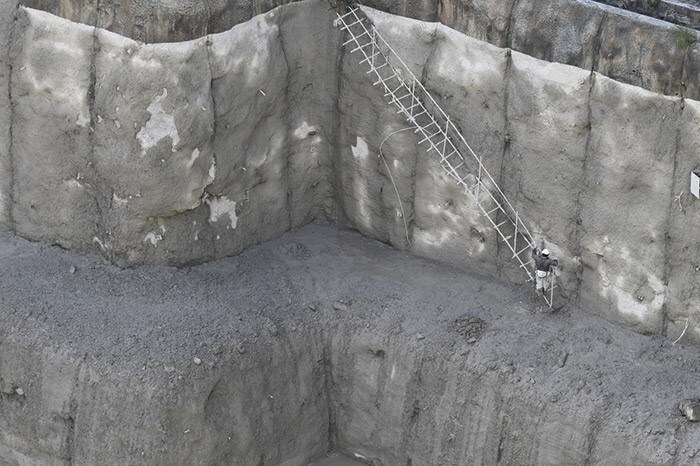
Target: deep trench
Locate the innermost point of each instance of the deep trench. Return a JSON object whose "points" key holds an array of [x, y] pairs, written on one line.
{"points": [[502, 392]]}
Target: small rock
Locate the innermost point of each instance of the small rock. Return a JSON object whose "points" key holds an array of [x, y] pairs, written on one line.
{"points": [[340, 306], [169, 368], [313, 307], [691, 409], [72, 269], [562, 359], [241, 349], [420, 337], [197, 361], [19, 391], [471, 341]]}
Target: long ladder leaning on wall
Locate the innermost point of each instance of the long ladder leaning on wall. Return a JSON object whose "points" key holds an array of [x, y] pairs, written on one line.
{"points": [[442, 137]]}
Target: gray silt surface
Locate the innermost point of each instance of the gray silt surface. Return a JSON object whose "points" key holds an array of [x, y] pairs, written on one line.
{"points": [[134, 321]]}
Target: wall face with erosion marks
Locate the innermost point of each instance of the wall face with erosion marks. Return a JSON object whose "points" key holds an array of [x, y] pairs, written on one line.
{"points": [[168, 153], [153, 145], [251, 406], [683, 254], [53, 189], [7, 14], [592, 165]]}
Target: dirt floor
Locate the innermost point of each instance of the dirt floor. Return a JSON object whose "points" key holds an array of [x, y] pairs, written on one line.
{"points": [[369, 317]]}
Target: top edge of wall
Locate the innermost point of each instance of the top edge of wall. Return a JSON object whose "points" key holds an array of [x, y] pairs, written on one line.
{"points": [[632, 48]]}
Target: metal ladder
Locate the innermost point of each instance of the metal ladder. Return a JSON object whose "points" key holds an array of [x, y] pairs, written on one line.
{"points": [[441, 137]]}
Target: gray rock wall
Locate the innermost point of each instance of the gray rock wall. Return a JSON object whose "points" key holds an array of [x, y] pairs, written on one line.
{"points": [[7, 10], [61, 409], [174, 152], [593, 165], [622, 45], [52, 193]]}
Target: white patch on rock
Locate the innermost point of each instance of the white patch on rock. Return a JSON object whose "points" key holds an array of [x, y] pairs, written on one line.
{"points": [[73, 183], [220, 206], [102, 245], [153, 238], [303, 131], [361, 150], [195, 154], [118, 200], [82, 120], [159, 126], [361, 195], [212, 172]]}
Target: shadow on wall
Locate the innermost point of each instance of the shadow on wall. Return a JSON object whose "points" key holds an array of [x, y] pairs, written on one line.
{"points": [[184, 152]]}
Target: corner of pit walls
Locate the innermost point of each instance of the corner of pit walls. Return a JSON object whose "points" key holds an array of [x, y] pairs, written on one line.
{"points": [[683, 247], [404, 197], [594, 166], [166, 153]]}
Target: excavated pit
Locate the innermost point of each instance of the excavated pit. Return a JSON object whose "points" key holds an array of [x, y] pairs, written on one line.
{"points": [[315, 341], [319, 339]]}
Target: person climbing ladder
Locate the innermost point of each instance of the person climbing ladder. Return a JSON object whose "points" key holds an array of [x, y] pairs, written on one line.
{"points": [[543, 270]]}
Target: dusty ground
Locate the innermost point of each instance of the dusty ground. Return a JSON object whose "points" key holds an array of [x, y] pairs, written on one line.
{"points": [[146, 324]]}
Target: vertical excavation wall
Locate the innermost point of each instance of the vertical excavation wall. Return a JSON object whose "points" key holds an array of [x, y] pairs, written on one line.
{"points": [[7, 12], [593, 165]]}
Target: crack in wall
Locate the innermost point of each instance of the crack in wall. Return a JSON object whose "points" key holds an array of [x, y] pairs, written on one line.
{"points": [[208, 43], [10, 202], [598, 41], [287, 100], [420, 153], [507, 76], [667, 244], [338, 213], [328, 384], [577, 247], [102, 201], [509, 25]]}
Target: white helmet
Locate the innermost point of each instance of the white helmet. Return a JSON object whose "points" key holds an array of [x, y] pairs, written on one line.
{"points": [[545, 252]]}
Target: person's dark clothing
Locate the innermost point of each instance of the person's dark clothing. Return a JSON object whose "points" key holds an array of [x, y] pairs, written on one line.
{"points": [[543, 263]]}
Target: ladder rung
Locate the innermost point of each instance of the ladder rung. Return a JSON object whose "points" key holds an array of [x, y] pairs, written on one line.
{"points": [[408, 109], [360, 47], [451, 154], [419, 114], [348, 26], [397, 99], [354, 38], [498, 207], [429, 137], [377, 68], [352, 10], [384, 80], [521, 251], [502, 223], [506, 238], [370, 58], [525, 264]]}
